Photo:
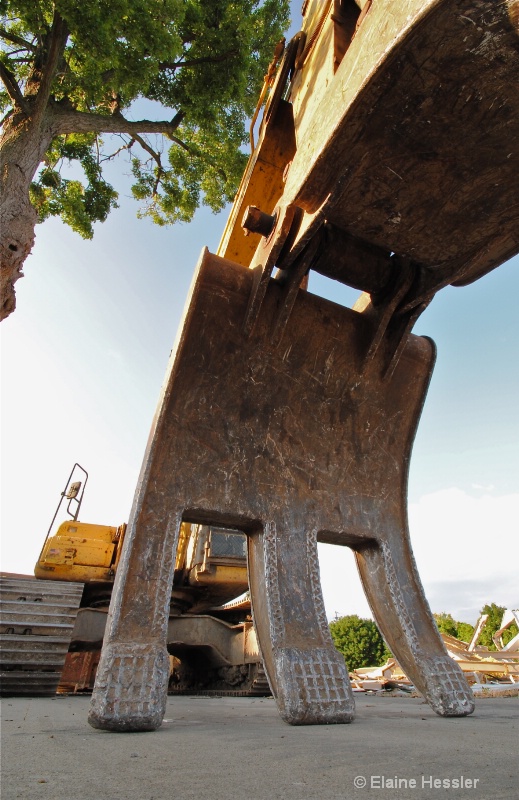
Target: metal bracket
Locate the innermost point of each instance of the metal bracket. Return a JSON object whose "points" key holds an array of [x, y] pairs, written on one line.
{"points": [[268, 252]]}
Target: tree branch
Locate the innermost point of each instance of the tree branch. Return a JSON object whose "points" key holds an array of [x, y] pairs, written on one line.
{"points": [[194, 61], [6, 117], [177, 119], [107, 75], [126, 146], [12, 88], [12, 37], [55, 47], [145, 146], [156, 157], [71, 121], [182, 144]]}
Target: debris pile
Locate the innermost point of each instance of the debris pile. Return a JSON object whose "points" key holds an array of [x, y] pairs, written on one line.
{"points": [[490, 673]]}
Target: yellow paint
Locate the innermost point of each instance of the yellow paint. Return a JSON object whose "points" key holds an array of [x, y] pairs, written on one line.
{"points": [[187, 531], [262, 184], [311, 81], [81, 552], [84, 552], [221, 575]]}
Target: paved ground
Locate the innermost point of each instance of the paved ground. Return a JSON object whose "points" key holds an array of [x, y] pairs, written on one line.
{"points": [[238, 748]]}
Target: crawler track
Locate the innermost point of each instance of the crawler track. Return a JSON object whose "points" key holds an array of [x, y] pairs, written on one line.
{"points": [[36, 623]]}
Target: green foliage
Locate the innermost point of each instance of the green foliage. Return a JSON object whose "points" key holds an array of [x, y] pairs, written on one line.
{"points": [[360, 641], [465, 632], [203, 61], [447, 624], [78, 205]]}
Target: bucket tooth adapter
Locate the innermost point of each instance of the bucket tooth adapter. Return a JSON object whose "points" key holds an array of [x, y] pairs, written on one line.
{"points": [[293, 418]]}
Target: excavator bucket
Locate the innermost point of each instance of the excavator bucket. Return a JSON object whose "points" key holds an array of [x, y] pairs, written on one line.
{"points": [[392, 168], [291, 443]]}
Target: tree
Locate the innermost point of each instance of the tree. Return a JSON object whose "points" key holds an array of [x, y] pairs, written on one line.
{"points": [[447, 624], [359, 641], [465, 632], [72, 71]]}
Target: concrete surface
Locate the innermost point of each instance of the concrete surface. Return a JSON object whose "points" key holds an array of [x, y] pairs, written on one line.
{"points": [[239, 748]]}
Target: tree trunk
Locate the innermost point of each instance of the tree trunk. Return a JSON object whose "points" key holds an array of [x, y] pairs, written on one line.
{"points": [[22, 147]]}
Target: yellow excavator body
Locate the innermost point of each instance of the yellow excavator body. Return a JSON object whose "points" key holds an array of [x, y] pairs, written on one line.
{"points": [[82, 552], [209, 562]]}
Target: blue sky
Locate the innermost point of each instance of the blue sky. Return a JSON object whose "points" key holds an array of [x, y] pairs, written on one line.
{"points": [[84, 355]]}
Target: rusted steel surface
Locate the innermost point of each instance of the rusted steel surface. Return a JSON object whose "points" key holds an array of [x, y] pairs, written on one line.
{"points": [[291, 443], [256, 221], [79, 671]]}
